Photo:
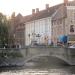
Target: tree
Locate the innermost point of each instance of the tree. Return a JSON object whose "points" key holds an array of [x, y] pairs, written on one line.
{"points": [[11, 29], [3, 30]]}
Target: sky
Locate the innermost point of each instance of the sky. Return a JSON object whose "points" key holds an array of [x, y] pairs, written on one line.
{"points": [[7, 7]]}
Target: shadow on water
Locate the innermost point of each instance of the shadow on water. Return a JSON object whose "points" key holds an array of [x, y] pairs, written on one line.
{"points": [[50, 63]]}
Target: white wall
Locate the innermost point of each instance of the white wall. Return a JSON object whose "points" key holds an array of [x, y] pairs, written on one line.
{"points": [[70, 20], [40, 26]]}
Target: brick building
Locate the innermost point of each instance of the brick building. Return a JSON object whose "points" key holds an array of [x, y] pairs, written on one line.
{"points": [[19, 34], [63, 22]]}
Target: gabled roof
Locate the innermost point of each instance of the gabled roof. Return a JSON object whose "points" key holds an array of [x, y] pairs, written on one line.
{"points": [[41, 14], [19, 18], [62, 11]]}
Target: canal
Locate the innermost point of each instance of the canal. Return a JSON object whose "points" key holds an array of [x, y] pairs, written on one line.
{"points": [[40, 66]]}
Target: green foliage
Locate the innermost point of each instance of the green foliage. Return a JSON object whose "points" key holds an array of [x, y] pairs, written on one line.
{"points": [[11, 55], [3, 30]]}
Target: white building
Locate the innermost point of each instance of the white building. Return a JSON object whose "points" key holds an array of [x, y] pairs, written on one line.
{"points": [[37, 30], [38, 25]]}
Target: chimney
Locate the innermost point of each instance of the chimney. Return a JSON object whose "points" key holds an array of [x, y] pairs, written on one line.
{"points": [[65, 2], [37, 10], [33, 11], [47, 6]]}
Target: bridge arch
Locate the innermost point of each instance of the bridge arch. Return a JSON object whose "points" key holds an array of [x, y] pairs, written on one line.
{"points": [[46, 55]]}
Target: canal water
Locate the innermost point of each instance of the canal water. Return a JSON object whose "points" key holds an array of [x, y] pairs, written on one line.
{"points": [[40, 66]]}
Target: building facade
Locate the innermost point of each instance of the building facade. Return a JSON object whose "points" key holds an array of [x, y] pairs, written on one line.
{"points": [[19, 34], [38, 26], [46, 25], [38, 30], [64, 20]]}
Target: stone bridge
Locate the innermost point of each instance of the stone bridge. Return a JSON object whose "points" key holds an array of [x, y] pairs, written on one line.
{"points": [[65, 54]]}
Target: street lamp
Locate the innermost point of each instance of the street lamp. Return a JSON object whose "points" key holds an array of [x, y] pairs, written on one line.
{"points": [[38, 35], [14, 38]]}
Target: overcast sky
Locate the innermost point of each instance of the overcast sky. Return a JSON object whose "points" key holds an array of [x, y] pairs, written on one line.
{"points": [[24, 6]]}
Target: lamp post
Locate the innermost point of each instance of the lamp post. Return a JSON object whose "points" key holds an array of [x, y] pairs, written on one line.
{"points": [[38, 35], [33, 38], [14, 38], [29, 37]]}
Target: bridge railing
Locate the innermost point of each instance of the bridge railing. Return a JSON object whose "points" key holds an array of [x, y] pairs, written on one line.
{"points": [[59, 52]]}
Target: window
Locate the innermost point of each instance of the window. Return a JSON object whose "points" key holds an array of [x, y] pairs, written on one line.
{"points": [[74, 16], [60, 21], [72, 28]]}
